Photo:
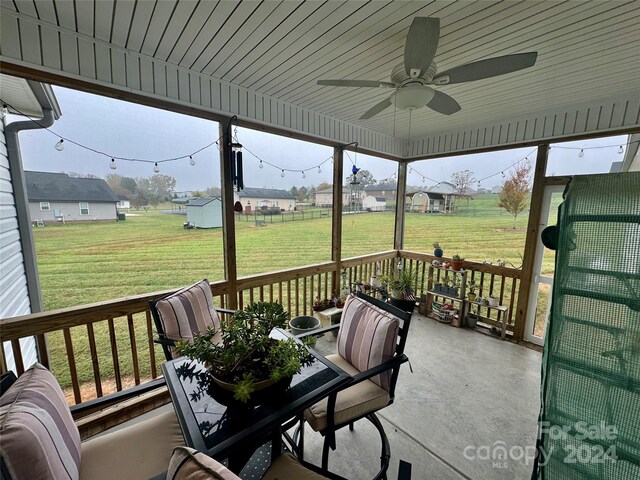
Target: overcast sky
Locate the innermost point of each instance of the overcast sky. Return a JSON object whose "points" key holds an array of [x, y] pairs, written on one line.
{"points": [[129, 130]]}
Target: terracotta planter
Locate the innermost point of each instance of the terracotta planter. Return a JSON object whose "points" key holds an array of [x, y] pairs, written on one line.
{"points": [[456, 264]]}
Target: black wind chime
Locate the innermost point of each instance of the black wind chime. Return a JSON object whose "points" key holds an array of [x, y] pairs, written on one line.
{"points": [[235, 162]]}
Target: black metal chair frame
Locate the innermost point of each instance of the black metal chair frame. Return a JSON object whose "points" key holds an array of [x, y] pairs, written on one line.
{"points": [[392, 365], [162, 339]]}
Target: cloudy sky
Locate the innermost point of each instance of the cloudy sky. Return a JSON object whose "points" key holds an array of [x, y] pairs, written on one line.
{"points": [[128, 130]]}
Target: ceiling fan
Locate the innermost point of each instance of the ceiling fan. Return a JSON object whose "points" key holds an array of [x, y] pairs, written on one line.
{"points": [[412, 78]]}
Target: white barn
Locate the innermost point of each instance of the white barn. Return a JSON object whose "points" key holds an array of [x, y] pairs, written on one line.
{"points": [[205, 212]]}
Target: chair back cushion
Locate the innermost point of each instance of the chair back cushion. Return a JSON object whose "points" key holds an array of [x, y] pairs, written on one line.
{"points": [[367, 337], [188, 311], [39, 437]]}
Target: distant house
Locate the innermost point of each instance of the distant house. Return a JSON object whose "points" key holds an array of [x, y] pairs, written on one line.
{"points": [[374, 204], [253, 199], [496, 189], [123, 203], [57, 197], [324, 197], [386, 190], [205, 212]]}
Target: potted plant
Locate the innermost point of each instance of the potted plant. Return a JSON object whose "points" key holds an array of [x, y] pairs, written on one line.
{"points": [[454, 287], [471, 290], [493, 301], [248, 359], [303, 324], [456, 262], [401, 290], [437, 251]]}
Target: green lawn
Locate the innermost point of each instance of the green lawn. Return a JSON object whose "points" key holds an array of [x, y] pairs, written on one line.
{"points": [[90, 262]]}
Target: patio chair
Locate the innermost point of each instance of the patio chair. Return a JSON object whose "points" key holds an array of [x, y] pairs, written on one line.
{"points": [[370, 347], [180, 315]]}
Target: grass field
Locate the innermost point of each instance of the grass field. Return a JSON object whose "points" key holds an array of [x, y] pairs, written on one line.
{"points": [[85, 263]]}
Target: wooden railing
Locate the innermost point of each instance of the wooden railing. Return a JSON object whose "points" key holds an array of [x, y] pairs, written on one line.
{"points": [[129, 357]]}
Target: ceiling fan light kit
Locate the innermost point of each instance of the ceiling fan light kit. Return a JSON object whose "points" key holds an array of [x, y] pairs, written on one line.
{"points": [[411, 79]]}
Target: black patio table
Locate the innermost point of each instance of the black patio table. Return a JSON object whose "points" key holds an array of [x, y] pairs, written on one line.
{"points": [[213, 422]]}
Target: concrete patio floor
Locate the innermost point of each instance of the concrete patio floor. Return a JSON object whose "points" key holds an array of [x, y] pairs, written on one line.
{"points": [[468, 393]]}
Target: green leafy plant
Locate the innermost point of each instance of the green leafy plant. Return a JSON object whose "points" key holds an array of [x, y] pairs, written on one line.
{"points": [[471, 286], [246, 354], [457, 258], [400, 283], [436, 245]]}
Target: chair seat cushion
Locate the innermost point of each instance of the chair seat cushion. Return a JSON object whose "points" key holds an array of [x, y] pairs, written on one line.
{"points": [[39, 438], [287, 467], [351, 403], [141, 450], [189, 464]]}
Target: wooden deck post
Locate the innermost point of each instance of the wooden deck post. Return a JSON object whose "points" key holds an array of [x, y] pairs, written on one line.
{"points": [[336, 229], [398, 238], [228, 216], [533, 230]]}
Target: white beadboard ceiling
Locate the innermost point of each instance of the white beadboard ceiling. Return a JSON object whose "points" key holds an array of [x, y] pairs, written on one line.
{"points": [[588, 62]]}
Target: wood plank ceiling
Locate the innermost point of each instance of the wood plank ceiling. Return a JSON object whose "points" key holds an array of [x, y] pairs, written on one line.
{"points": [[587, 51]]}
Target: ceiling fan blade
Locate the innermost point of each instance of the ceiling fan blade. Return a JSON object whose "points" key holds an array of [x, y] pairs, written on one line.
{"points": [[491, 67], [355, 83], [421, 44], [377, 108], [443, 103]]}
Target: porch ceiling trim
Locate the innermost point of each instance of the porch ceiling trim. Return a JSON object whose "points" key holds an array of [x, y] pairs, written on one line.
{"points": [[34, 44], [606, 116]]}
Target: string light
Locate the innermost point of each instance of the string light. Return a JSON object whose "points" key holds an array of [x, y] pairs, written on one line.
{"points": [[261, 165], [282, 173], [303, 174], [112, 165], [478, 184], [60, 145], [319, 169], [156, 168], [192, 162], [503, 175], [581, 154], [620, 150]]}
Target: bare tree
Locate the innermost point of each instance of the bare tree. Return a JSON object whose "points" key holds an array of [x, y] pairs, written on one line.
{"points": [[515, 191], [462, 180]]}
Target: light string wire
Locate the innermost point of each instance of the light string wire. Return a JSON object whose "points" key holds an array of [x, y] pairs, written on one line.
{"points": [[105, 154]]}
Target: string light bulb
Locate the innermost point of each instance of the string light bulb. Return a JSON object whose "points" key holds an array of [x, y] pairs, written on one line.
{"points": [[282, 173], [156, 168], [620, 150], [478, 184], [581, 154], [60, 145], [319, 169], [112, 165], [303, 174], [503, 175], [192, 162], [260, 165]]}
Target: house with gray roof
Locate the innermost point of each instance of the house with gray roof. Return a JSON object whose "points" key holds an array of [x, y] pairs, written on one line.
{"points": [[57, 197], [253, 199]]}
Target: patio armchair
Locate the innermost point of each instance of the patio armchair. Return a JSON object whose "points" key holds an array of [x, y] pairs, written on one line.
{"points": [[180, 315], [41, 440], [370, 347]]}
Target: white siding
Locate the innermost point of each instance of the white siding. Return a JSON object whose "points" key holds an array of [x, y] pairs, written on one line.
{"points": [[71, 211], [14, 298], [206, 216]]}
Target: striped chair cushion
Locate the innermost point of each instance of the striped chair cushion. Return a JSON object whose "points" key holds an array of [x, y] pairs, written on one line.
{"points": [[188, 311], [39, 437], [367, 337], [189, 464]]}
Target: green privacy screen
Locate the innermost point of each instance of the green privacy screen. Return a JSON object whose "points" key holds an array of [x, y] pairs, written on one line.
{"points": [[590, 396]]}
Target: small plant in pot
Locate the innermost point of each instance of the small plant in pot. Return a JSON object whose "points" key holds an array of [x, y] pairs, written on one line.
{"points": [[400, 286], [456, 262], [471, 290], [248, 359], [437, 251]]}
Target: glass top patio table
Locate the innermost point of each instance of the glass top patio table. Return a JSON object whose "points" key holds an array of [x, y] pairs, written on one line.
{"points": [[211, 420]]}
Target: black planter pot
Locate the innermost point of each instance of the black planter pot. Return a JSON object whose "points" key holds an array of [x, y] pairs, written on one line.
{"points": [[406, 305]]}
